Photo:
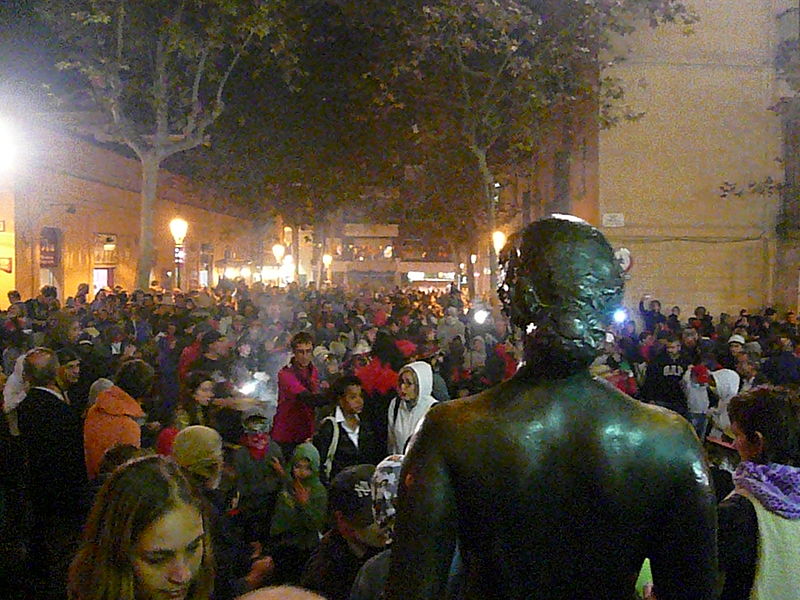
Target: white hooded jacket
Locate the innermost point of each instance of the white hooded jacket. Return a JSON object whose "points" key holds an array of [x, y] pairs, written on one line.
{"points": [[409, 418], [727, 382]]}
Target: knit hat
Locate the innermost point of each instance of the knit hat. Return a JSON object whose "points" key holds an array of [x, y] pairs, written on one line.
{"points": [[701, 374], [351, 494], [198, 449]]}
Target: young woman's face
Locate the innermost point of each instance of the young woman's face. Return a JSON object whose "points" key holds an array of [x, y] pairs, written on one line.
{"points": [[204, 393], [168, 555], [408, 389]]}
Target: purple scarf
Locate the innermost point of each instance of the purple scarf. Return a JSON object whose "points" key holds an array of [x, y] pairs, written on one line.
{"points": [[776, 487]]}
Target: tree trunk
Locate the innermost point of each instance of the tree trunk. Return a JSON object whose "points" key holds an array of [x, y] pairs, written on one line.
{"points": [[296, 251], [322, 272], [150, 166], [488, 196], [470, 276]]}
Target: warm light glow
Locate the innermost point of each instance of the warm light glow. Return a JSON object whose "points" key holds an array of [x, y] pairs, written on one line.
{"points": [[416, 276], [8, 150], [231, 272], [498, 241], [245, 272], [278, 250], [178, 228], [288, 259], [473, 258], [327, 260]]}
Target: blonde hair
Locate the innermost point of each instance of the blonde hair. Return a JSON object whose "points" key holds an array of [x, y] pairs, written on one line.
{"points": [[136, 495]]}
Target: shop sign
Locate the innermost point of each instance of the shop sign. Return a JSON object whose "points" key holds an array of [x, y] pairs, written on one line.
{"points": [[49, 251]]}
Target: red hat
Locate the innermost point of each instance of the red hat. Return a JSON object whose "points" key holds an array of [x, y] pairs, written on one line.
{"points": [[701, 373]]}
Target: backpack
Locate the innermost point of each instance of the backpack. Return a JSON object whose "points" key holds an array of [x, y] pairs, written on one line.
{"points": [[328, 464]]}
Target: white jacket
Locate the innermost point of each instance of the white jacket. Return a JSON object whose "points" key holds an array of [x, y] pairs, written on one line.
{"points": [[409, 418]]}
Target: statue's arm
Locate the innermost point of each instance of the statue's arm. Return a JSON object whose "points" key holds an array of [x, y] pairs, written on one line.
{"points": [[425, 531], [683, 546]]}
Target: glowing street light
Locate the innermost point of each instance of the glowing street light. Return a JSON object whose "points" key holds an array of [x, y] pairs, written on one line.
{"points": [[498, 241], [278, 251], [327, 260], [178, 228]]}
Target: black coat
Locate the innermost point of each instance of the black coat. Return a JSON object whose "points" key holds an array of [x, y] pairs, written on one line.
{"points": [[53, 439]]}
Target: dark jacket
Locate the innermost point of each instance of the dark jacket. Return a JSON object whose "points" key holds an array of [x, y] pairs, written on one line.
{"points": [[651, 318], [347, 454], [662, 383], [333, 568], [738, 546], [53, 438], [782, 369]]}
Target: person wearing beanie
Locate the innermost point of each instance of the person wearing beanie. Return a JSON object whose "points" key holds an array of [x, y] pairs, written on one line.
{"points": [[695, 385], [198, 450]]}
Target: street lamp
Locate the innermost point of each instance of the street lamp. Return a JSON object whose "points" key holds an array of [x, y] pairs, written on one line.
{"points": [[8, 148], [278, 250], [498, 241], [178, 228], [327, 260]]}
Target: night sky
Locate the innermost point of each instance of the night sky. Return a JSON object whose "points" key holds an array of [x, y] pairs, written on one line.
{"points": [[27, 57]]}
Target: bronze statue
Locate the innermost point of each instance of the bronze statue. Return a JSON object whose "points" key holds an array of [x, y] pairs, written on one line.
{"points": [[556, 485]]}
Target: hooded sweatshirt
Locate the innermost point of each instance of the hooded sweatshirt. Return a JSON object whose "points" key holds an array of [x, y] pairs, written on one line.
{"points": [[727, 383], [298, 524], [109, 422], [406, 418]]}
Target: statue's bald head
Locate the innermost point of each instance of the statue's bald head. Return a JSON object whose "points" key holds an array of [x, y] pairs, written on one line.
{"points": [[561, 284], [283, 592]]}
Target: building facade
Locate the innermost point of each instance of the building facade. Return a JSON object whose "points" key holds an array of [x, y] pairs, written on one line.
{"points": [[707, 123], [69, 214]]}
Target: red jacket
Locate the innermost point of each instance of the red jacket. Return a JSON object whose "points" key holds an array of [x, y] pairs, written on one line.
{"points": [[294, 420]]}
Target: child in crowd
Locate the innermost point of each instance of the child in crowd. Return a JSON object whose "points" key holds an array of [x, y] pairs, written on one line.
{"points": [[299, 514], [259, 467], [342, 439]]}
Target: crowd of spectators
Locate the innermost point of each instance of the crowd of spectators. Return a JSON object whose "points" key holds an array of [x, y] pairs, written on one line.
{"points": [[275, 405]]}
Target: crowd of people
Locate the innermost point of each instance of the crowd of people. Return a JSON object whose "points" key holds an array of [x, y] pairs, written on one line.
{"points": [[162, 444]]}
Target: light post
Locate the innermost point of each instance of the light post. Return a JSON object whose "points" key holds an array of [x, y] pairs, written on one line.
{"points": [[498, 241], [327, 260], [278, 251], [178, 228], [473, 258]]}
